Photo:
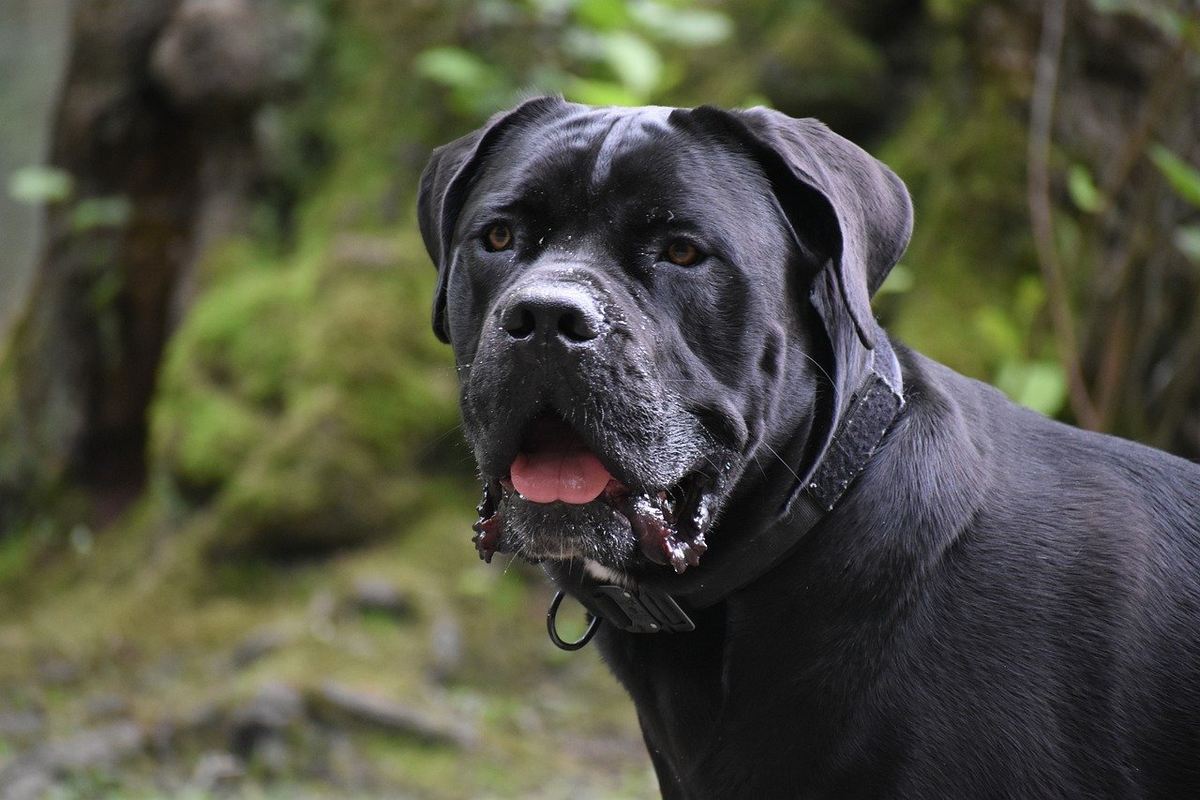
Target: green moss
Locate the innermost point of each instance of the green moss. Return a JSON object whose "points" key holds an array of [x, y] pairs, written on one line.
{"points": [[298, 400], [311, 487]]}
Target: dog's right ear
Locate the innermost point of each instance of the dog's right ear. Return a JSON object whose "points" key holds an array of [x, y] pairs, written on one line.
{"points": [[828, 187], [445, 184]]}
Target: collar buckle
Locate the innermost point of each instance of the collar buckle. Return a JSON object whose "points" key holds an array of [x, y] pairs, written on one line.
{"points": [[632, 610], [641, 610]]}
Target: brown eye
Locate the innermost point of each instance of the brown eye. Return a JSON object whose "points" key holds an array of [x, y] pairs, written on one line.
{"points": [[682, 253], [498, 237]]}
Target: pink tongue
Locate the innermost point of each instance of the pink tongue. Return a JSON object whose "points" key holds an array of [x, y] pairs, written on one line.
{"points": [[572, 476]]}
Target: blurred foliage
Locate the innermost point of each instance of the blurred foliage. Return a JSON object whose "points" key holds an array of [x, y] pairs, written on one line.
{"points": [[603, 52], [37, 185], [1184, 178], [296, 400]]}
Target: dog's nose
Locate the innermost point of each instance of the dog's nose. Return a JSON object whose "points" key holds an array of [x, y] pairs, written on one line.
{"points": [[564, 312]]}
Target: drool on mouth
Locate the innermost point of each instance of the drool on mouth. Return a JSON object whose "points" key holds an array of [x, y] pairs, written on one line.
{"points": [[555, 465]]}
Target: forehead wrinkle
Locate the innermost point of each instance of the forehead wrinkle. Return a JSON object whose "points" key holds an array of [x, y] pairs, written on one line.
{"points": [[564, 150], [580, 149], [622, 134], [609, 142]]}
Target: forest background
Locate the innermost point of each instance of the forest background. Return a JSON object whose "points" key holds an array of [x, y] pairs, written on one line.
{"points": [[234, 502]]}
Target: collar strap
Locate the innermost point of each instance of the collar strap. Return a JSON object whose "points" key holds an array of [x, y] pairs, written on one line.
{"points": [[873, 409], [869, 415]]}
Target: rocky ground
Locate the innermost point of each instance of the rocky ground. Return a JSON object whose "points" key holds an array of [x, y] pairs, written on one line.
{"points": [[357, 675]]}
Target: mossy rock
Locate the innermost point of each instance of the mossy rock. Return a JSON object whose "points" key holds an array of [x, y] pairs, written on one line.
{"points": [[223, 380], [297, 402], [373, 342], [312, 488]]}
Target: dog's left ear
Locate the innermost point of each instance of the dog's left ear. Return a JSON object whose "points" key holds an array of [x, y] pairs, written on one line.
{"points": [[828, 185], [445, 184]]}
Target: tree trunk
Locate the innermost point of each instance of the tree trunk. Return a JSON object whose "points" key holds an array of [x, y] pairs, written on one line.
{"points": [[155, 125]]}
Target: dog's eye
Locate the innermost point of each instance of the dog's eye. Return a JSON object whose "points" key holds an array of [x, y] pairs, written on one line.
{"points": [[498, 237], [682, 253]]}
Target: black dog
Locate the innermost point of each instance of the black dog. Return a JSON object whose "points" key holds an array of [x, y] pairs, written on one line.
{"points": [[912, 588]]}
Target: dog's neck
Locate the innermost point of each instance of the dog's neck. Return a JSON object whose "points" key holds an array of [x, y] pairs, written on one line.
{"points": [[863, 417]]}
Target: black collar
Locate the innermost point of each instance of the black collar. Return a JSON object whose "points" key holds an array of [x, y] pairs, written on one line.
{"points": [[870, 413]]}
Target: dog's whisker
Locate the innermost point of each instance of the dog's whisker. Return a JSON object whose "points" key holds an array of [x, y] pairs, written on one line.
{"points": [[758, 464], [786, 465], [817, 364], [515, 556]]}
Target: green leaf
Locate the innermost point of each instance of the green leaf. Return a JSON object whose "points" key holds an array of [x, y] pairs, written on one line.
{"points": [[1039, 385], [634, 61], [603, 15], [690, 27], [100, 212], [599, 93], [35, 185], [1183, 177], [1173, 23], [1028, 300], [1187, 239], [1083, 189], [997, 332], [454, 67]]}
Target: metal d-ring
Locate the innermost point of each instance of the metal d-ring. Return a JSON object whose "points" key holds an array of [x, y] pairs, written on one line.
{"points": [[552, 628]]}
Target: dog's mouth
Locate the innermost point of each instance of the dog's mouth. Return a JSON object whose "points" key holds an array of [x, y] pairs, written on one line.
{"points": [[555, 469]]}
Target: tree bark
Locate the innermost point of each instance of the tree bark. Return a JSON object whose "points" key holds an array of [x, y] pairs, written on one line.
{"points": [[155, 125]]}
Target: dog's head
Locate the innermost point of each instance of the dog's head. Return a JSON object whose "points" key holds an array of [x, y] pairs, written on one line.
{"points": [[645, 306]]}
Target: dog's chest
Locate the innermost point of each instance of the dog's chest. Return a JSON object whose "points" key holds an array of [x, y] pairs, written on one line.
{"points": [[727, 716]]}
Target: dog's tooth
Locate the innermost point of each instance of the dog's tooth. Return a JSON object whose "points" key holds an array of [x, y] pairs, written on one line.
{"points": [[681, 553], [487, 536], [650, 527], [679, 561], [702, 517]]}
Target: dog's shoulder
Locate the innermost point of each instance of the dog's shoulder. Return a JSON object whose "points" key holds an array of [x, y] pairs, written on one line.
{"points": [[1002, 483], [1013, 440]]}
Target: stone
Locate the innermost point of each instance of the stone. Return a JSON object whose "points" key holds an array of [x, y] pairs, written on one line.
{"points": [[58, 671], [103, 747], [257, 645], [275, 708], [106, 706], [446, 647], [379, 595], [22, 725], [92, 750], [217, 771], [33, 784], [335, 703]]}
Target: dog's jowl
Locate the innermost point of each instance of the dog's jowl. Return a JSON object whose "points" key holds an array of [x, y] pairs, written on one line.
{"points": [[821, 564]]}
